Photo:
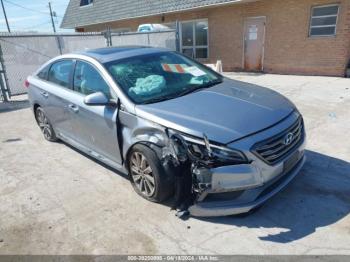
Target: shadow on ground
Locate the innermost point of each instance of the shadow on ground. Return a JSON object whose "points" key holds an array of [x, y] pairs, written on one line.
{"points": [[13, 106], [318, 197]]}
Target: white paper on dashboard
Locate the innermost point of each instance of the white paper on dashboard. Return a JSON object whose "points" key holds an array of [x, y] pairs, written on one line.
{"points": [[195, 71]]}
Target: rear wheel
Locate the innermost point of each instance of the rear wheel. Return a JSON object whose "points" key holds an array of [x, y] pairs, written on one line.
{"points": [[147, 174], [44, 124]]}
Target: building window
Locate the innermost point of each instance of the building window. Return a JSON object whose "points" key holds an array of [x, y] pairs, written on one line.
{"points": [[194, 38], [86, 2], [324, 20]]}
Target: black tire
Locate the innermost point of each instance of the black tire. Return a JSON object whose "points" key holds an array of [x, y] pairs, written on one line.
{"points": [[163, 186], [45, 125]]}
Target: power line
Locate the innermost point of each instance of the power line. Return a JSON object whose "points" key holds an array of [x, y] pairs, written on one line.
{"points": [[51, 13], [29, 27], [34, 26], [29, 9], [61, 4]]}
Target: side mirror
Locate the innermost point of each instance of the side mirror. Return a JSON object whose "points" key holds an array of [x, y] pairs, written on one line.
{"points": [[96, 99]]}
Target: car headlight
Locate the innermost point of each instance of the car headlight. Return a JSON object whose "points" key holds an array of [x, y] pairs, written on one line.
{"points": [[213, 154]]}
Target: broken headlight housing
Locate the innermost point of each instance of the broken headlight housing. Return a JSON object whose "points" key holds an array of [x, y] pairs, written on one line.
{"points": [[201, 150]]}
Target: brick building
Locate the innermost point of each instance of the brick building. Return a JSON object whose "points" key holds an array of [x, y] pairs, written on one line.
{"points": [[289, 36]]}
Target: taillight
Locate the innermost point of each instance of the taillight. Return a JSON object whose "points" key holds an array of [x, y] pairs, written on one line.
{"points": [[26, 83]]}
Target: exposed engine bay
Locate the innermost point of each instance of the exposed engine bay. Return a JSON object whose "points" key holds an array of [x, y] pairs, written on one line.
{"points": [[192, 164]]}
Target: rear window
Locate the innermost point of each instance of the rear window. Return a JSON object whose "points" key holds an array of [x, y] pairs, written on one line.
{"points": [[145, 28]]}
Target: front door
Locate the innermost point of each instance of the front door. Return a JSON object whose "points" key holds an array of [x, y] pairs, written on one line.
{"points": [[254, 38], [94, 127]]}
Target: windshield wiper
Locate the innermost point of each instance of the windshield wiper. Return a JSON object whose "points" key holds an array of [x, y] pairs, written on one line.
{"points": [[186, 92], [200, 87], [159, 99]]}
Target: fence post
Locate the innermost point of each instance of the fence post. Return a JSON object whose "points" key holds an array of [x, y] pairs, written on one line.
{"points": [[58, 40], [2, 89], [108, 36], [3, 85], [177, 36]]}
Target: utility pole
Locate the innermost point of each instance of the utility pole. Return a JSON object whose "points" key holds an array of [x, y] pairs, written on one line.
{"points": [[51, 14], [7, 22]]}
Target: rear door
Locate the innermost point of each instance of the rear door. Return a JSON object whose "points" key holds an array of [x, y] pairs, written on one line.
{"points": [[57, 94], [254, 38], [95, 127]]}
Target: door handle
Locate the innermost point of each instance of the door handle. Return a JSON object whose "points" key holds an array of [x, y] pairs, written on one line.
{"points": [[73, 108], [44, 94]]}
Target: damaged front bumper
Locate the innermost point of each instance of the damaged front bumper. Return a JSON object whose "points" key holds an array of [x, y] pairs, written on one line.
{"points": [[263, 166], [230, 190], [247, 197]]}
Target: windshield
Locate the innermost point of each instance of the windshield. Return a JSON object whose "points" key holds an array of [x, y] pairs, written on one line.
{"points": [[161, 76]]}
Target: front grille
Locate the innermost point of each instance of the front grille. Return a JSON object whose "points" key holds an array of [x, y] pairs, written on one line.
{"points": [[275, 149]]}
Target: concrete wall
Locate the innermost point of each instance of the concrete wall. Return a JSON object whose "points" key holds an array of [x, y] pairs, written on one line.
{"points": [[288, 48]]}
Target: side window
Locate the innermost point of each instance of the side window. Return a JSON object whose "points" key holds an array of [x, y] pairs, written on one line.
{"points": [[87, 80], [43, 73], [60, 72]]}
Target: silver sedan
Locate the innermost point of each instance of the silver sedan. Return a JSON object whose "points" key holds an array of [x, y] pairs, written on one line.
{"points": [[215, 145]]}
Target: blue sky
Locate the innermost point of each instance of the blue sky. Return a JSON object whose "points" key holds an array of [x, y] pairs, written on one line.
{"points": [[35, 18]]}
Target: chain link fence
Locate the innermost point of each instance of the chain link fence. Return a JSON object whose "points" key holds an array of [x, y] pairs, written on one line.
{"points": [[23, 54], [4, 93]]}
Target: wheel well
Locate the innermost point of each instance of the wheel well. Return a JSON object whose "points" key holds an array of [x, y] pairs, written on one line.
{"points": [[152, 146], [34, 110], [127, 155], [35, 107]]}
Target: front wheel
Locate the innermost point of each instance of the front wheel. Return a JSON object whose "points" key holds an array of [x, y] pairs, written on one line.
{"points": [[44, 124], [147, 174]]}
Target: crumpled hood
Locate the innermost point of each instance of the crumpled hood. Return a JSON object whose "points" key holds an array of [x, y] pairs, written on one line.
{"points": [[225, 112]]}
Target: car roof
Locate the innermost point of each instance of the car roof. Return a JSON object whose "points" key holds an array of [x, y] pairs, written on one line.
{"points": [[108, 54]]}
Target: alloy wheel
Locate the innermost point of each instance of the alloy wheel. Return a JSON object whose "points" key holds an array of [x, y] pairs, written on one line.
{"points": [[142, 174], [44, 124]]}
